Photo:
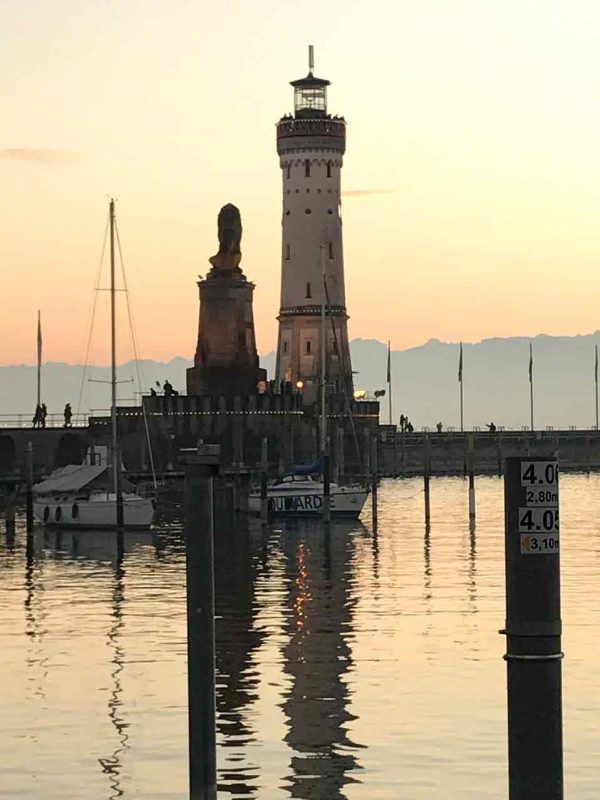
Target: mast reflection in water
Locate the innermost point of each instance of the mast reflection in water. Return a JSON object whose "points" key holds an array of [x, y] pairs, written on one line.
{"points": [[112, 765]]}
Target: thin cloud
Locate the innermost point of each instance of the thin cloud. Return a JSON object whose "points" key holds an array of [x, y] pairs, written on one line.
{"points": [[39, 155], [365, 192]]}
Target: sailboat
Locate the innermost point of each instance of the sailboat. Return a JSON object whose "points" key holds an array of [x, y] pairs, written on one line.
{"points": [[95, 495], [302, 492]]}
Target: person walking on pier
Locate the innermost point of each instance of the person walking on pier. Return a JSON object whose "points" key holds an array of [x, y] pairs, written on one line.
{"points": [[37, 417], [490, 426], [43, 415], [68, 416]]}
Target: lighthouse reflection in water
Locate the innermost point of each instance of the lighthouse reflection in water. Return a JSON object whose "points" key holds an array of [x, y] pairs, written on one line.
{"points": [[351, 664]]}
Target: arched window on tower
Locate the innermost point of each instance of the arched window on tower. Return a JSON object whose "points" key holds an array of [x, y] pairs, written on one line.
{"points": [[307, 168], [331, 250], [287, 252], [308, 346], [285, 347], [308, 293], [328, 169], [289, 171]]}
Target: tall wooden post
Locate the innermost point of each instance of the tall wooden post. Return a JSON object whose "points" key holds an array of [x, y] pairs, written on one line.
{"points": [[533, 629], [199, 527], [264, 468], [29, 484], [426, 475], [374, 480]]}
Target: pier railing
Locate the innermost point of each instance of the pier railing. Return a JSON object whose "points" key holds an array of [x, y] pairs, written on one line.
{"points": [[52, 421]]}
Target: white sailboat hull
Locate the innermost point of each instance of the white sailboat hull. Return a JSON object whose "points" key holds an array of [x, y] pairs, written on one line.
{"points": [[298, 501], [138, 512]]}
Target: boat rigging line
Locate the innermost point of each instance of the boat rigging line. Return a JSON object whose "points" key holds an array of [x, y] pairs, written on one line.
{"points": [[134, 344], [136, 357], [93, 315]]}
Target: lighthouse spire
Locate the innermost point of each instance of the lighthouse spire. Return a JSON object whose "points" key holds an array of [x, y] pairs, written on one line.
{"points": [[311, 59]]}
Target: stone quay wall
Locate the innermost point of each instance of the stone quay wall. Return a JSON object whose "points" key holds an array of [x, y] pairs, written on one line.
{"points": [[405, 453]]}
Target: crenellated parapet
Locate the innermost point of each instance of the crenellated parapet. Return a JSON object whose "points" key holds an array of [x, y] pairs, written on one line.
{"points": [[321, 134]]}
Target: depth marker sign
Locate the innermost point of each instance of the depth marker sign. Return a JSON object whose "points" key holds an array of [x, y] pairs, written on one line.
{"points": [[538, 518]]}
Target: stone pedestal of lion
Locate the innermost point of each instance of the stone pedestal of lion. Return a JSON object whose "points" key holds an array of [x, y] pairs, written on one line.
{"points": [[226, 360]]}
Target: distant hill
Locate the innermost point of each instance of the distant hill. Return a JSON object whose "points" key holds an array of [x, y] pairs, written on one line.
{"points": [[62, 383], [425, 385], [495, 379]]}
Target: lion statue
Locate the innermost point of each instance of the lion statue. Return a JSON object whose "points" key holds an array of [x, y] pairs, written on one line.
{"points": [[229, 225]]}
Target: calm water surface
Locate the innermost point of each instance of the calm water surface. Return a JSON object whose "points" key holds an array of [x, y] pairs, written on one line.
{"points": [[349, 665]]}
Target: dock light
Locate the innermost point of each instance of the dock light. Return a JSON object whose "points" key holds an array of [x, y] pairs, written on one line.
{"points": [[360, 394], [299, 385]]}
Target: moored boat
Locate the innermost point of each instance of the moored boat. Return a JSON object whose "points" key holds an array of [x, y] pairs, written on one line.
{"points": [[94, 495], [302, 496], [80, 496]]}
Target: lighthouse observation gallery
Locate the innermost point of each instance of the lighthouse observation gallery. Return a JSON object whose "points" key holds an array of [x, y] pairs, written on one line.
{"points": [[311, 146]]}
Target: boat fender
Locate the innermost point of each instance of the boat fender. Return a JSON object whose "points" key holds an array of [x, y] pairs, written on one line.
{"points": [[58, 514], [46, 514], [75, 511]]}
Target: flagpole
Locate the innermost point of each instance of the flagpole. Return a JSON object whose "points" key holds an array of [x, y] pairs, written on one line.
{"points": [[39, 360], [460, 380], [531, 382], [596, 382], [389, 380]]}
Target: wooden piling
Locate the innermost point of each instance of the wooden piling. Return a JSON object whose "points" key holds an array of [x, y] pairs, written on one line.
{"points": [[374, 480], [341, 456], [326, 485], [29, 484], [199, 529], [533, 629], [499, 452], [470, 460], [426, 474], [264, 466]]}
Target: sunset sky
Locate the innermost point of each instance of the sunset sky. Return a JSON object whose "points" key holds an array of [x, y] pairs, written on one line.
{"points": [[472, 172]]}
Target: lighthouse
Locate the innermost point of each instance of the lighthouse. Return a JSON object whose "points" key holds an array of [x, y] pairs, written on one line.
{"points": [[313, 322]]}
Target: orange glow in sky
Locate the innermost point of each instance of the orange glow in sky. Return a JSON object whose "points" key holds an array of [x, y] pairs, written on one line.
{"points": [[472, 173]]}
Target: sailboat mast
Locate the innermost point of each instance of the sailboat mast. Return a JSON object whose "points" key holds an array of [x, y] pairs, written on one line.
{"points": [[113, 351], [113, 378], [323, 358]]}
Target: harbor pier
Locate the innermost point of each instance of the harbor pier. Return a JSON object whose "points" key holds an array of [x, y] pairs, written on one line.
{"points": [[450, 452]]}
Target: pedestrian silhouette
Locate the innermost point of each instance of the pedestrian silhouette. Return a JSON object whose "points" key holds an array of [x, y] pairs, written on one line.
{"points": [[152, 391], [43, 415], [439, 427], [490, 426], [37, 417], [68, 415]]}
